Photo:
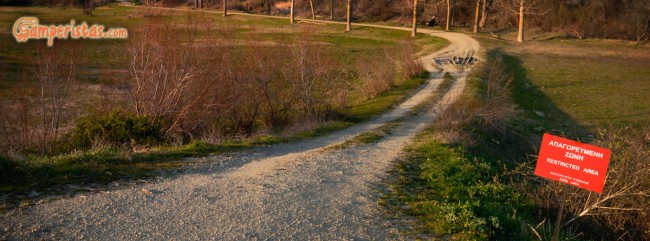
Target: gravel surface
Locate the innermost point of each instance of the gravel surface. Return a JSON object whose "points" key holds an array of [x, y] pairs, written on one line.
{"points": [[295, 191]]}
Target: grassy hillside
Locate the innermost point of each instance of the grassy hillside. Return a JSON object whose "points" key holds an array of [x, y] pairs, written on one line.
{"points": [[101, 67], [363, 43]]}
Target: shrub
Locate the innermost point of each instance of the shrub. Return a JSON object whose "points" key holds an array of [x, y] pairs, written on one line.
{"points": [[9, 170], [116, 128], [377, 75], [409, 64], [488, 114], [457, 195]]}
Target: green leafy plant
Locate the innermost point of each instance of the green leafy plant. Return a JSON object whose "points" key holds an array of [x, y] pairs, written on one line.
{"points": [[115, 129]]}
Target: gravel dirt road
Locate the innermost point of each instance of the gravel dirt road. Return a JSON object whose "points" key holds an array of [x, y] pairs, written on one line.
{"points": [[294, 191]]}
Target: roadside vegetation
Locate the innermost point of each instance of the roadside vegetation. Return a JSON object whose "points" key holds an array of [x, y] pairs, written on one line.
{"points": [[185, 85], [470, 176]]}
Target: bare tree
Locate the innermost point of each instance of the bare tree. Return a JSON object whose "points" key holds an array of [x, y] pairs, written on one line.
{"points": [[168, 81], [313, 13], [414, 31], [291, 17], [436, 7], [483, 15], [331, 9], [55, 71], [525, 7], [478, 7], [520, 31], [225, 8], [348, 26], [640, 15], [268, 7], [448, 14]]}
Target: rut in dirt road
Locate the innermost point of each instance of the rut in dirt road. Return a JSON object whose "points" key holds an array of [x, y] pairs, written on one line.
{"points": [[296, 191]]}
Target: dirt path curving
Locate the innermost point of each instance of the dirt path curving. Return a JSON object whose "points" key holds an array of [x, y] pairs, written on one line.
{"points": [[298, 191]]}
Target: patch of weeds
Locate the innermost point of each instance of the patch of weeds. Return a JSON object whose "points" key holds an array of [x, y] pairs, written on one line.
{"points": [[454, 194], [369, 137], [387, 128], [373, 107], [322, 130], [97, 167], [115, 129]]}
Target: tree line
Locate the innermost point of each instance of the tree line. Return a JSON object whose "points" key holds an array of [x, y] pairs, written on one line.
{"points": [[611, 19]]}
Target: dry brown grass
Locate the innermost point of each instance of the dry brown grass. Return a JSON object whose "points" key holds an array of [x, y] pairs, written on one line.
{"points": [[490, 111], [377, 75], [199, 85], [37, 115], [380, 75], [624, 206]]}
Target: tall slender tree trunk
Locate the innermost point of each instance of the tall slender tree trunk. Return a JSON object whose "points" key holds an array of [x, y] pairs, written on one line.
{"points": [[520, 34], [313, 13], [453, 15], [225, 8], [291, 17], [348, 26], [481, 25], [414, 31], [478, 8], [332, 10], [268, 7], [448, 15]]}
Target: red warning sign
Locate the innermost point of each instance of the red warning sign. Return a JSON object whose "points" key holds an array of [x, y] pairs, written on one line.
{"points": [[571, 162]]}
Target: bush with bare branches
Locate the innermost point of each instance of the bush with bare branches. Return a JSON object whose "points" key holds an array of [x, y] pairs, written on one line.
{"points": [[409, 64], [172, 76], [195, 84], [380, 75], [377, 75], [34, 116], [489, 113]]}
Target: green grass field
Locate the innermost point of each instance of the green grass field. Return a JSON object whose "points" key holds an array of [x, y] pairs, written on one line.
{"points": [[596, 83]]}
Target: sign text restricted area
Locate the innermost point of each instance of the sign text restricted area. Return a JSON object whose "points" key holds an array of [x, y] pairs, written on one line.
{"points": [[578, 164]]}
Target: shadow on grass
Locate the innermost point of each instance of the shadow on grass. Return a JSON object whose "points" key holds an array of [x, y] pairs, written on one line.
{"points": [[97, 167], [458, 191], [538, 113]]}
